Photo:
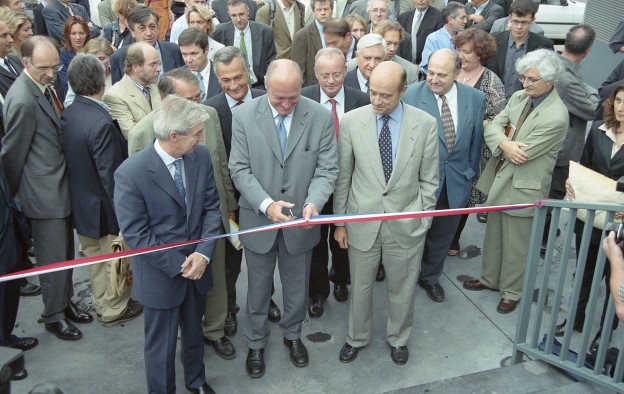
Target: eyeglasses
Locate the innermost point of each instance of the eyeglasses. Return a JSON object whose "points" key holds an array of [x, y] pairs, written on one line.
{"points": [[326, 77], [520, 23], [44, 69], [197, 99], [527, 80]]}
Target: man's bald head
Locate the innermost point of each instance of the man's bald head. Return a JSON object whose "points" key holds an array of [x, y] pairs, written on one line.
{"points": [[442, 69], [388, 82], [283, 82]]}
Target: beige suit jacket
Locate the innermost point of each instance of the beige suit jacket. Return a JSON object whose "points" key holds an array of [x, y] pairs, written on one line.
{"points": [[306, 44], [142, 135], [127, 103], [283, 40], [361, 186]]}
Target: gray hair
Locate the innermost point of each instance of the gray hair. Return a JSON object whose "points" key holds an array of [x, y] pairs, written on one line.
{"points": [[167, 83], [543, 60], [177, 114], [369, 5], [451, 10], [328, 52], [226, 55], [86, 75], [370, 40]]}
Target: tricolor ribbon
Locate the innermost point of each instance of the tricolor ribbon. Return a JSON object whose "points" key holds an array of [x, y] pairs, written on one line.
{"points": [[315, 220]]}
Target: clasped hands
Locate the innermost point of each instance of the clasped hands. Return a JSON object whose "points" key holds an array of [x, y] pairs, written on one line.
{"points": [[275, 212], [194, 266]]}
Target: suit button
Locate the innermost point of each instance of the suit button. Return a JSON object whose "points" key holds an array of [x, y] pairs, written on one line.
{"points": [[283, 191]]}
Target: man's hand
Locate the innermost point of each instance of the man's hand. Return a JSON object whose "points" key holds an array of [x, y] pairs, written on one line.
{"points": [[476, 18], [308, 211], [612, 249], [194, 266], [342, 237], [232, 215], [569, 189], [275, 211], [514, 152]]}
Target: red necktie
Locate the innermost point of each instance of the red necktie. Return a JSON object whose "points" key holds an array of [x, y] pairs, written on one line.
{"points": [[239, 103], [336, 120]]}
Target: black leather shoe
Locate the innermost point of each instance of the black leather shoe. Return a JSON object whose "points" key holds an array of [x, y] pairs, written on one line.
{"points": [[203, 389], [341, 293], [435, 292], [231, 325], [298, 352], [77, 315], [64, 329], [381, 273], [348, 353], [399, 355], [24, 343], [254, 365], [223, 347], [30, 290], [315, 309], [275, 315], [20, 375]]}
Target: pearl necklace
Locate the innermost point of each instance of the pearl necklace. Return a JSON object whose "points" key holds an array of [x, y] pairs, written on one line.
{"points": [[472, 76]]}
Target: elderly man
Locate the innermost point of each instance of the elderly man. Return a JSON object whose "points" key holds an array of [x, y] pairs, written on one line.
{"points": [[182, 82], [458, 108], [454, 17], [255, 40], [330, 70], [94, 148], [525, 139], [388, 160], [283, 162], [165, 194], [136, 95], [371, 50], [379, 12], [311, 38], [32, 145]]}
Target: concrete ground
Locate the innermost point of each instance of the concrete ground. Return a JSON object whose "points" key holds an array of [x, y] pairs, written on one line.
{"points": [[464, 335]]}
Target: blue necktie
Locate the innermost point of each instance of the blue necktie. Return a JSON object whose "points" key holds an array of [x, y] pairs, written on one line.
{"points": [[200, 79], [281, 133], [385, 147], [177, 178]]}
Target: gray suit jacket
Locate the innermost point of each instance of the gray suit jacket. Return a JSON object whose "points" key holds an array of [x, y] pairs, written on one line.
{"points": [[151, 211], [56, 14], [106, 13], [581, 104], [32, 152], [361, 186], [306, 174], [460, 166], [220, 9], [263, 45], [490, 13]]}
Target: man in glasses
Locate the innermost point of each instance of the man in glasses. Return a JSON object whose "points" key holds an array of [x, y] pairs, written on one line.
{"points": [[516, 42], [194, 47], [34, 162]]}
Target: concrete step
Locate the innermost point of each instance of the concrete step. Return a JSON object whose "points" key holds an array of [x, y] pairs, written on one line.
{"points": [[527, 377]]}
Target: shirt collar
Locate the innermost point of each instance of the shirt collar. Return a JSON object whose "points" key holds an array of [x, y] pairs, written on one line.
{"points": [[245, 30], [538, 100], [166, 157], [206, 71], [512, 43], [232, 103], [98, 102], [450, 95], [340, 96], [481, 7], [396, 113], [39, 85], [275, 113]]}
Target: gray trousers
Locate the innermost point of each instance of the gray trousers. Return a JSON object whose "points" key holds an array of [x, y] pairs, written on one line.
{"points": [[294, 273]]}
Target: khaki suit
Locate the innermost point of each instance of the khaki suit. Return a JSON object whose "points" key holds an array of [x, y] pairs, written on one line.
{"points": [[361, 188], [128, 104], [281, 34], [306, 44], [142, 136], [506, 241]]}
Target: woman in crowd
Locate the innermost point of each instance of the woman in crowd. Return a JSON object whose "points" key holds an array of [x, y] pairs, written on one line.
{"points": [[475, 46], [603, 154], [76, 35], [117, 32], [102, 49], [201, 17], [357, 25], [20, 29]]}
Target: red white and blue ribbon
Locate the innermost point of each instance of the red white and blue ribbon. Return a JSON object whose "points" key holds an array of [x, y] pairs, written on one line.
{"points": [[315, 220]]}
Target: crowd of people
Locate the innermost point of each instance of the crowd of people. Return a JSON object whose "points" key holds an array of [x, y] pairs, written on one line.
{"points": [[167, 127]]}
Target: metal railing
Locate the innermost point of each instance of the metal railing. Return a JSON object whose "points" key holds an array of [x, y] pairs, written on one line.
{"points": [[547, 280]]}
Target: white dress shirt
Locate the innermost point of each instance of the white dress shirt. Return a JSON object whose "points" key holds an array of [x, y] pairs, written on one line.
{"points": [[340, 102]]}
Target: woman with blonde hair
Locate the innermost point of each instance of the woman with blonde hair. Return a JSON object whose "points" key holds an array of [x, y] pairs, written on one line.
{"points": [[102, 49], [20, 29], [201, 17]]}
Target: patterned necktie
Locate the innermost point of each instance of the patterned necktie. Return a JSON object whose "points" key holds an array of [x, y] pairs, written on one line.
{"points": [[243, 45], [200, 79], [281, 133], [240, 102], [336, 119], [71, 12], [385, 147], [414, 33], [447, 123], [148, 95], [50, 94], [177, 178]]}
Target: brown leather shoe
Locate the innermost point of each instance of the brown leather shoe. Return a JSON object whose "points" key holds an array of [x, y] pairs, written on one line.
{"points": [[506, 306], [476, 285]]}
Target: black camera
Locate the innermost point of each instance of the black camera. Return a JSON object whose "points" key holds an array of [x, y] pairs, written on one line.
{"points": [[618, 227]]}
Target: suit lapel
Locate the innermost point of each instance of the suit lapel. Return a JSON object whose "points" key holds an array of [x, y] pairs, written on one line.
{"points": [[316, 37], [502, 51], [256, 46], [462, 114], [190, 173], [133, 91], [214, 87], [407, 140], [167, 60], [297, 127], [266, 123], [43, 102], [430, 105], [162, 176]]}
